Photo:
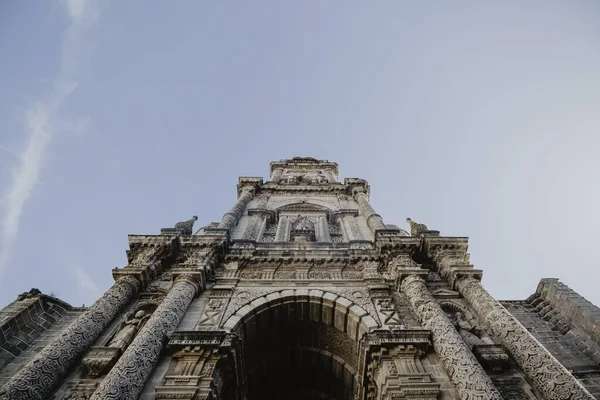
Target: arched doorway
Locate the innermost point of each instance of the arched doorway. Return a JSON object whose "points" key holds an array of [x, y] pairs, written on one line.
{"points": [[301, 346]]}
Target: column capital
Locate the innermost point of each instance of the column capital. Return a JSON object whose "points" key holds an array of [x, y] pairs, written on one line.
{"points": [[451, 258], [248, 184], [355, 186]]}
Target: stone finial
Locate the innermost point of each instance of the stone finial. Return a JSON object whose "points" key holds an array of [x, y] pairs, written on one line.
{"points": [[186, 226], [416, 229]]}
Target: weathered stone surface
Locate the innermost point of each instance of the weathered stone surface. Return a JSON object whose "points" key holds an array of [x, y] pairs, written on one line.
{"points": [[304, 292]]}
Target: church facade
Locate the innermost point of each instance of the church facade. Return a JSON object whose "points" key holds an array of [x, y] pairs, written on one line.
{"points": [[301, 291]]}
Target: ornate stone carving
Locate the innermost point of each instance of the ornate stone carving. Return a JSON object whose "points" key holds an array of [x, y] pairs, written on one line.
{"points": [[387, 313], [186, 227], [466, 374], [210, 317], [129, 374], [34, 292], [393, 366], [547, 374], [416, 229], [100, 360], [37, 379]]}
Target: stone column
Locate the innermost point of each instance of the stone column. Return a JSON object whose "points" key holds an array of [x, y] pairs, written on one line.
{"points": [[126, 379], [276, 175], [37, 379], [373, 219], [548, 375], [231, 218], [469, 378]]}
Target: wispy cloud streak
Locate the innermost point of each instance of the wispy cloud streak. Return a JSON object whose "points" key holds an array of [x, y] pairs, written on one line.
{"points": [[40, 121]]}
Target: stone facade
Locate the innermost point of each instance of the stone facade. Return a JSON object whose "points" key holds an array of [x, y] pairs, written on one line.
{"points": [[301, 291]]}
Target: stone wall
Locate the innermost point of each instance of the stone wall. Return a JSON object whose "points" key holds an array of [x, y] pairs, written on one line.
{"points": [[26, 326], [567, 325]]}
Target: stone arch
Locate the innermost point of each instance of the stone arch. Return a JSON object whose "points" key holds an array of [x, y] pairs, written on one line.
{"points": [[326, 307], [301, 342]]}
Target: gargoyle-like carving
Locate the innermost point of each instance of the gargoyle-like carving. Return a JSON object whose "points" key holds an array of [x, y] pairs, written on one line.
{"points": [[186, 226], [416, 229]]}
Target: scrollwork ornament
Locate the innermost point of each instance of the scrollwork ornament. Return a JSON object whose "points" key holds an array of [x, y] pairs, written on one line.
{"points": [[127, 377], [469, 378], [545, 371], [37, 379]]}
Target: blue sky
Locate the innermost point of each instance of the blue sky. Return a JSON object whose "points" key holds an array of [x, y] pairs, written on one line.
{"points": [[480, 119]]}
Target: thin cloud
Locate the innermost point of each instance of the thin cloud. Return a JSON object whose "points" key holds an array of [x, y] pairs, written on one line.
{"points": [[84, 281], [40, 125]]}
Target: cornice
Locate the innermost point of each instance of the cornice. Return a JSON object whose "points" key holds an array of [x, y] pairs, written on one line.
{"points": [[392, 245], [332, 189], [434, 246]]}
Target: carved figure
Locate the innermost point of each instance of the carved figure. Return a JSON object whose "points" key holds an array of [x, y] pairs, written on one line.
{"points": [[416, 229], [186, 226], [128, 331], [471, 333], [302, 223]]}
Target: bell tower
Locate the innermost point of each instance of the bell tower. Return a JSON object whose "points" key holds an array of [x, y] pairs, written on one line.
{"points": [[301, 291]]}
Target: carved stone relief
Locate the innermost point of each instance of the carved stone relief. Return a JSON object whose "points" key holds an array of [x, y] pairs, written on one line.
{"points": [[214, 308], [550, 377], [465, 372], [38, 377]]}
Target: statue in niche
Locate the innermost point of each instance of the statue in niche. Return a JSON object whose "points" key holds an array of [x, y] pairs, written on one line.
{"points": [[471, 333], [303, 229], [302, 223], [128, 330]]}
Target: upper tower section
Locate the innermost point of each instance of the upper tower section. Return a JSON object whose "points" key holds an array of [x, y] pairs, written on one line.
{"points": [[303, 204], [303, 171]]}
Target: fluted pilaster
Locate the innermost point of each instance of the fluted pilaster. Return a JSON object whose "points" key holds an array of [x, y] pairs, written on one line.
{"points": [[465, 372], [126, 379], [546, 372], [231, 218], [37, 379], [374, 220]]}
